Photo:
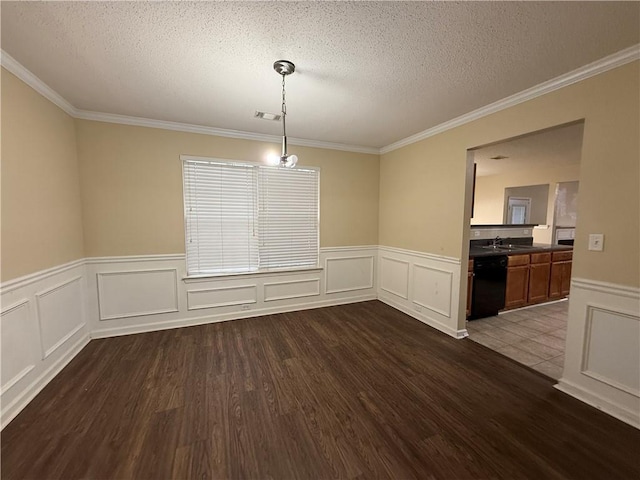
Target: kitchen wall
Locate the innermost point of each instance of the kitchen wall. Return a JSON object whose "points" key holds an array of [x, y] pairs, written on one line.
{"points": [[425, 204], [132, 187], [41, 209], [490, 196]]}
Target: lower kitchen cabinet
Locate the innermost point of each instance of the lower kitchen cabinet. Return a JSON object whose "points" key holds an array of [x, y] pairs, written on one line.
{"points": [[560, 281], [516, 294], [539, 274]]}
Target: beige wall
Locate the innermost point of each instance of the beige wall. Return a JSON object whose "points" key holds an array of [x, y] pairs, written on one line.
{"points": [[41, 224], [132, 187], [490, 197], [422, 186]]}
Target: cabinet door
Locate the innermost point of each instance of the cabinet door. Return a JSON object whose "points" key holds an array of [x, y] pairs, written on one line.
{"points": [[539, 282], [560, 279], [565, 284], [517, 286]]}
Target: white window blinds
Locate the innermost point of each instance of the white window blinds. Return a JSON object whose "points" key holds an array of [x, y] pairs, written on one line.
{"points": [[244, 218], [288, 217]]}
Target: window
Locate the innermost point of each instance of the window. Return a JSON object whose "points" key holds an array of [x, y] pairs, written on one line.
{"points": [[242, 217]]}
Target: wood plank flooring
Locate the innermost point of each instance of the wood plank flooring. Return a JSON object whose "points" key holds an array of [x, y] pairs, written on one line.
{"points": [[359, 391]]}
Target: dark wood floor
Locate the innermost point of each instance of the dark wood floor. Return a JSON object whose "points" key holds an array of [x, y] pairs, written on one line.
{"points": [[359, 391]]}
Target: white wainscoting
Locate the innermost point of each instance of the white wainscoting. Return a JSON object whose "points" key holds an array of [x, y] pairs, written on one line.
{"points": [[138, 294], [134, 293], [43, 326], [422, 285], [602, 357]]}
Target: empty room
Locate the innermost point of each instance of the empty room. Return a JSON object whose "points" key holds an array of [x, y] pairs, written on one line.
{"points": [[312, 240]]}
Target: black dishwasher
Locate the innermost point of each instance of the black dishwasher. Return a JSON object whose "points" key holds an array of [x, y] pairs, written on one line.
{"points": [[489, 285]]}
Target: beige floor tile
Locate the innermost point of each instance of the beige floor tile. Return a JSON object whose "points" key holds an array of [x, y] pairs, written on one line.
{"points": [[560, 333], [537, 325], [538, 349], [518, 329], [478, 326], [551, 341], [486, 340], [491, 321], [520, 356], [504, 335], [552, 322], [549, 369], [559, 360]]}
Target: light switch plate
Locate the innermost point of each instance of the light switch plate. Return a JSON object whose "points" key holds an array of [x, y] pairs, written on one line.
{"points": [[596, 242]]}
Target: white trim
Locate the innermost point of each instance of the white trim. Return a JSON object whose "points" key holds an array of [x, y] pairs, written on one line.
{"points": [[602, 65], [606, 287], [218, 132], [430, 321], [297, 295], [447, 272], [192, 321], [25, 280], [586, 347], [135, 258], [615, 410], [348, 249], [351, 289], [15, 67], [44, 293], [19, 376], [15, 306], [99, 276], [10, 410], [408, 264], [222, 304], [60, 342], [259, 273], [430, 256]]}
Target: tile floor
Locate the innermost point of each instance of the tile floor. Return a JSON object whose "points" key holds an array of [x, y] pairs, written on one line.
{"points": [[533, 336]]}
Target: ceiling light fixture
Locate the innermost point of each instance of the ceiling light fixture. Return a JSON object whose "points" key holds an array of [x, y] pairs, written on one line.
{"points": [[284, 68]]}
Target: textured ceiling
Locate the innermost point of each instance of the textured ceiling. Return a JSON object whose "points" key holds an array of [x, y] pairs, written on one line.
{"points": [[557, 147], [368, 73]]}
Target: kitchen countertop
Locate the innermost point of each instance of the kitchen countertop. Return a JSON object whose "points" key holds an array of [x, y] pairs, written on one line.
{"points": [[517, 250]]}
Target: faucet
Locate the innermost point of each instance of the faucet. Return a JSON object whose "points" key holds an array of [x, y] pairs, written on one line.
{"points": [[497, 241]]}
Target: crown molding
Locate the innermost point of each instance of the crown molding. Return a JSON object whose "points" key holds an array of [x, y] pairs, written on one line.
{"points": [[15, 67], [610, 62], [219, 132]]}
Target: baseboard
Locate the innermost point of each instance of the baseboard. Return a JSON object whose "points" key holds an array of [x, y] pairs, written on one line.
{"points": [[203, 320], [10, 411], [458, 334], [590, 398]]}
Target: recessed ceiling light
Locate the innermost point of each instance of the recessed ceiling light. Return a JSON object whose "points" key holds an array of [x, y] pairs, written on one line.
{"points": [[498, 157], [268, 116]]}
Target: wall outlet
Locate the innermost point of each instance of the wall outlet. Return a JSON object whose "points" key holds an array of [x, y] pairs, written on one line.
{"points": [[596, 242], [245, 307], [476, 233]]}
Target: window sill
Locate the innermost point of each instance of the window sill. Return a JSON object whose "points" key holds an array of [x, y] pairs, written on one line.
{"points": [[258, 273]]}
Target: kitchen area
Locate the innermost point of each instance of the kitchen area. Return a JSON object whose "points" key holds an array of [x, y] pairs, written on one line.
{"points": [[521, 246]]}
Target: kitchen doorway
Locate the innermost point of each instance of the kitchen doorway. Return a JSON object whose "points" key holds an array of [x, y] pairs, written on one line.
{"points": [[517, 183]]}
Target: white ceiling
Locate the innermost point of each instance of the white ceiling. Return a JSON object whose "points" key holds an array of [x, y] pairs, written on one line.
{"points": [[558, 147], [368, 73]]}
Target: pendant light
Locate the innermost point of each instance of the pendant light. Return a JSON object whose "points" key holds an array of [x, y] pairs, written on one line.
{"points": [[284, 68]]}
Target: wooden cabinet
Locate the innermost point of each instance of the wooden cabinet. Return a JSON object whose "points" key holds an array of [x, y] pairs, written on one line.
{"points": [[560, 281], [539, 274], [516, 293], [469, 286]]}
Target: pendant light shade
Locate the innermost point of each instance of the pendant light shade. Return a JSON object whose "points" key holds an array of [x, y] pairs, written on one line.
{"points": [[284, 68]]}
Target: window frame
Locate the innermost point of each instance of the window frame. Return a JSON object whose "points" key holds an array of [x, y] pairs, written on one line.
{"points": [[260, 271]]}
